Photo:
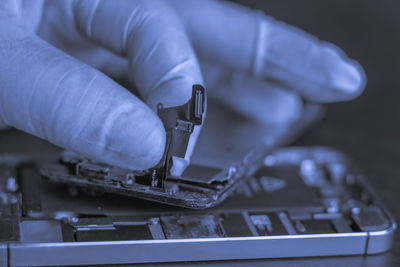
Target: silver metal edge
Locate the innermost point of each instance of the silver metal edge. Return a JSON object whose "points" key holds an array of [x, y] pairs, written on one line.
{"points": [[380, 241], [119, 252], [3, 255]]}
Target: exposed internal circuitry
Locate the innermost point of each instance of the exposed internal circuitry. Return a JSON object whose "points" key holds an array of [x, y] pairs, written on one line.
{"points": [[297, 191], [299, 199]]}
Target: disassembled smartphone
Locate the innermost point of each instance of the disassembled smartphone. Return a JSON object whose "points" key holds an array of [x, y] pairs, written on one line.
{"points": [[300, 202], [268, 203]]}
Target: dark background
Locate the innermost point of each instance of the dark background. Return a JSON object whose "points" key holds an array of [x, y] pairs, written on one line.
{"points": [[367, 129]]}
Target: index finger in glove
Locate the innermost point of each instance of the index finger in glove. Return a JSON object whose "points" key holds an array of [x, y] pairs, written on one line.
{"points": [[55, 97]]}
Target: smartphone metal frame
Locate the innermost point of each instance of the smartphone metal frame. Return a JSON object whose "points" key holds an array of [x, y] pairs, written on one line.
{"points": [[204, 249]]}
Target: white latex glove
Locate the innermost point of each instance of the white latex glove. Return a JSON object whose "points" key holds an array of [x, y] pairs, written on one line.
{"points": [[257, 66]]}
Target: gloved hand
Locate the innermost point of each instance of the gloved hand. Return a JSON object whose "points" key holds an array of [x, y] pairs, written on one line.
{"points": [[261, 67]]}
